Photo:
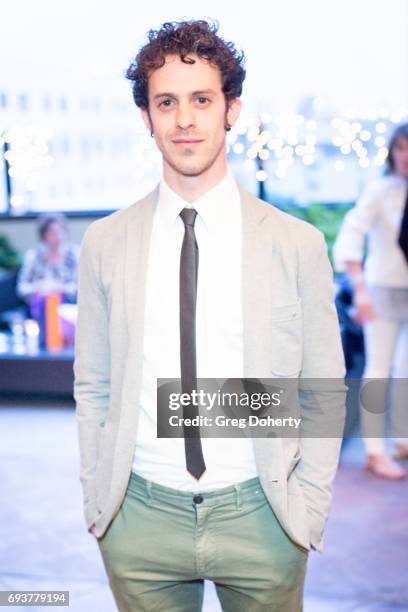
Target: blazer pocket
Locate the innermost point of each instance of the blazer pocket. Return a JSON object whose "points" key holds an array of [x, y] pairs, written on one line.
{"points": [[286, 339]]}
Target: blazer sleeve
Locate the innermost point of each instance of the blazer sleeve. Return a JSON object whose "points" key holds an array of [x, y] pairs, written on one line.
{"points": [[322, 391], [91, 366], [357, 222]]}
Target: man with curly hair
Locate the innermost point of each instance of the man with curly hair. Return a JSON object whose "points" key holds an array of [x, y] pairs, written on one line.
{"points": [[200, 279]]}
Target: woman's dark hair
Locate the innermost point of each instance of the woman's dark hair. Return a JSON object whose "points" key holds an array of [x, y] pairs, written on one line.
{"points": [[400, 132], [44, 221], [184, 38]]}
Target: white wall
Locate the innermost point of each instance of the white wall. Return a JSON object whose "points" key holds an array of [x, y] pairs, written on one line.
{"points": [[354, 52]]}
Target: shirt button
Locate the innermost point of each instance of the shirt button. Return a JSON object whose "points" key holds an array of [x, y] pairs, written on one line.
{"points": [[198, 499]]}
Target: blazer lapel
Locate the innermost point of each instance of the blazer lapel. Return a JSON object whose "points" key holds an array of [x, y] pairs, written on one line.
{"points": [[138, 232], [258, 248], [256, 283]]}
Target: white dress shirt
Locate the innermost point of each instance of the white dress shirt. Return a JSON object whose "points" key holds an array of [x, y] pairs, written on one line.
{"points": [[377, 215], [219, 332]]}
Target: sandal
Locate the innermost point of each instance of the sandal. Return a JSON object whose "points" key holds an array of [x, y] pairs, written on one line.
{"points": [[383, 466]]}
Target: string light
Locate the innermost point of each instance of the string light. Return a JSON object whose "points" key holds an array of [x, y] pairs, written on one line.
{"points": [[364, 162], [379, 161], [238, 148], [261, 176], [356, 127], [269, 145], [16, 201], [381, 127], [365, 135], [358, 134]]}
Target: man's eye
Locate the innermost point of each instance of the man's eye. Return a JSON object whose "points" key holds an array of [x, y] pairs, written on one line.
{"points": [[202, 99], [166, 103]]}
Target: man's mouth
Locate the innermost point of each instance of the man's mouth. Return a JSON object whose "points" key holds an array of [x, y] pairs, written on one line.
{"points": [[185, 141]]}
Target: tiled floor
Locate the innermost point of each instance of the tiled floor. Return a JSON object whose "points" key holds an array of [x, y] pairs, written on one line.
{"points": [[44, 544]]}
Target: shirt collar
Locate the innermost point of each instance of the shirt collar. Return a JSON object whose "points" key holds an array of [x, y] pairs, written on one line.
{"points": [[214, 206]]}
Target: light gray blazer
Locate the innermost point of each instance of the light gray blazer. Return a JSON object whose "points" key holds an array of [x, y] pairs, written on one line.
{"points": [[291, 329]]}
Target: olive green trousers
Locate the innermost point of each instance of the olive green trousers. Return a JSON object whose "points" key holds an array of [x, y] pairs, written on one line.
{"points": [[163, 543]]}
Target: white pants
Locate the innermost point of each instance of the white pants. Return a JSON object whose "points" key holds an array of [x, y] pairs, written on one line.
{"points": [[386, 349]]}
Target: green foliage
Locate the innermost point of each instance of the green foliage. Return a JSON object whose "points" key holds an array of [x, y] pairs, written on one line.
{"points": [[327, 218], [9, 257]]}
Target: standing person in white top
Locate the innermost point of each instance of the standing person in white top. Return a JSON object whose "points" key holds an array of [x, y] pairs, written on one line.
{"points": [[201, 279], [381, 296]]}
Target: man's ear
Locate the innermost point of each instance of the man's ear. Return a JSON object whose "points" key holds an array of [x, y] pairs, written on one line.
{"points": [[146, 119], [233, 110]]}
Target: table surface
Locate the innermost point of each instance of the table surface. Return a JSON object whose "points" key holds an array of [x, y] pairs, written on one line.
{"points": [[18, 351]]}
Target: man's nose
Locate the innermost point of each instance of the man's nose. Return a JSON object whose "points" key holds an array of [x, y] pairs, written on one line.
{"points": [[185, 116]]}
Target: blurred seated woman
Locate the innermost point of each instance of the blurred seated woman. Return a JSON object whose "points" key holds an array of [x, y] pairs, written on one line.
{"points": [[51, 266]]}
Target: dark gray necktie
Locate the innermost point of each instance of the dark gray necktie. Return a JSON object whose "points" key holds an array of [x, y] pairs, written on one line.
{"points": [[188, 298], [403, 232]]}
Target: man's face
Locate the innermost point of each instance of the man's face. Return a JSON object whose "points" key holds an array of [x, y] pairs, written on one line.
{"points": [[188, 115]]}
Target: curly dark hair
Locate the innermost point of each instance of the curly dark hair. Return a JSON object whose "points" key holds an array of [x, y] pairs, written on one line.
{"points": [[184, 38]]}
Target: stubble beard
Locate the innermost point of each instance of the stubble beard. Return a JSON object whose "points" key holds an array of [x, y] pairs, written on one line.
{"points": [[192, 167]]}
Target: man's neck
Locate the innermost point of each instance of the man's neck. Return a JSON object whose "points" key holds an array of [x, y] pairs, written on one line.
{"points": [[190, 188]]}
